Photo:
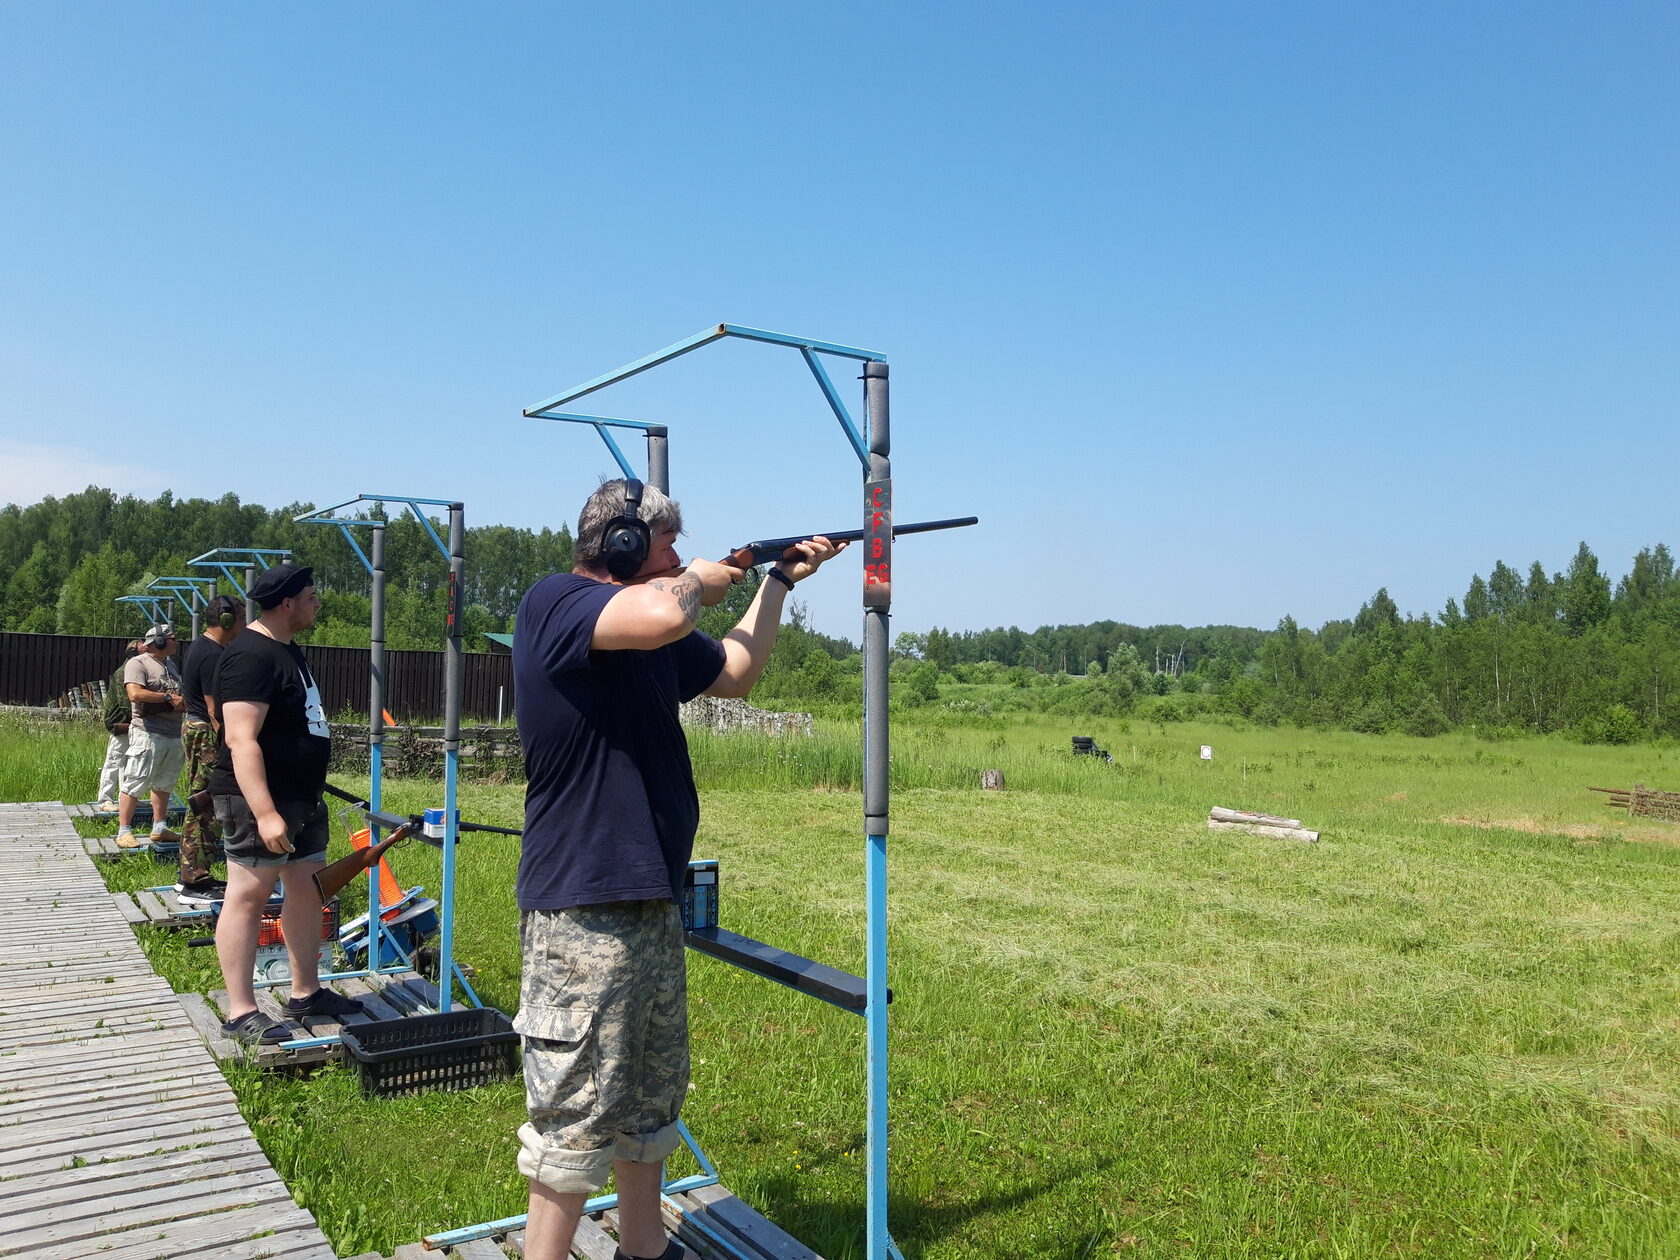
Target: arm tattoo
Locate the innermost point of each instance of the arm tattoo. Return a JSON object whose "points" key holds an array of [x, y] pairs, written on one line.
{"points": [[687, 591]]}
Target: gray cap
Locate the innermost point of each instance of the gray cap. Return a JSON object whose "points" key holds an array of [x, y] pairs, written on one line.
{"points": [[160, 633]]}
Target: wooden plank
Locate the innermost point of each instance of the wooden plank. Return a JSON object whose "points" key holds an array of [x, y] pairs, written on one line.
{"points": [[208, 1025], [303, 1243], [127, 907], [478, 1249], [253, 1233], [590, 1241], [746, 1223], [149, 1209], [707, 1235], [133, 1116], [68, 1056], [208, 1094], [99, 1081], [117, 1142], [98, 1184], [400, 999], [155, 1165], [376, 1007]]}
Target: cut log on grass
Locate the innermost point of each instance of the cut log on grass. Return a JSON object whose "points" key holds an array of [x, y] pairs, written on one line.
{"points": [[1221, 814], [991, 780], [1221, 819]]}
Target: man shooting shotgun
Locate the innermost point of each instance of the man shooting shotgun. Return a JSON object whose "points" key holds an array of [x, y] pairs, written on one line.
{"points": [[603, 657]]}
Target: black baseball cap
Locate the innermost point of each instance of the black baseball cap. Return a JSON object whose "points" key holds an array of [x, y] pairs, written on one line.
{"points": [[280, 583]]}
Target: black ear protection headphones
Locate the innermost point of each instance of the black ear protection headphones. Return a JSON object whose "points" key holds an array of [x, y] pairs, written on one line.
{"points": [[627, 540]]}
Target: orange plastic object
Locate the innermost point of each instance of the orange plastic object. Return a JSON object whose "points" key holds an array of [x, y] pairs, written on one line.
{"points": [[389, 892], [269, 933]]}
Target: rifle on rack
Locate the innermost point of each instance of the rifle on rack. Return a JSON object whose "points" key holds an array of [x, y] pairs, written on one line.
{"points": [[773, 549], [329, 880]]}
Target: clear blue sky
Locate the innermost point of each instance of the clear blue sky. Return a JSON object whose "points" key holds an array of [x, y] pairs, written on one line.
{"points": [[1212, 312]]}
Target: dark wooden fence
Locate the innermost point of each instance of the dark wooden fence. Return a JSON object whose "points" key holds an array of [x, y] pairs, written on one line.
{"points": [[38, 669]]}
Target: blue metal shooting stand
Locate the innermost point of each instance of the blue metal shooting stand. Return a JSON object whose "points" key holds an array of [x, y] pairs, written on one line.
{"points": [[189, 591], [154, 606], [870, 998], [249, 560], [449, 972]]}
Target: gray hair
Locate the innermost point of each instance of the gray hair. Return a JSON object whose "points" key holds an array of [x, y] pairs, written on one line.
{"points": [[659, 510]]}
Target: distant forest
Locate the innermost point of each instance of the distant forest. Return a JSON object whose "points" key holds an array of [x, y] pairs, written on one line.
{"points": [[1563, 652]]}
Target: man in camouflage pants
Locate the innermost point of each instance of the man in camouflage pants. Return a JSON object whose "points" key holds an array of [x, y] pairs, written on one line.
{"points": [[602, 658], [201, 845]]}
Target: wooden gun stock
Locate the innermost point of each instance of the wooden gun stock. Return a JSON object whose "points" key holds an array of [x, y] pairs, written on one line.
{"points": [[204, 810], [330, 880]]}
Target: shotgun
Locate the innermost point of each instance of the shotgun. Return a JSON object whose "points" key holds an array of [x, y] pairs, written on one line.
{"points": [[204, 810], [413, 821], [772, 549], [330, 880]]}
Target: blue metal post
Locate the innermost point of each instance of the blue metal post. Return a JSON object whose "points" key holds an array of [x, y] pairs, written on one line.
{"points": [[453, 679], [877, 597], [376, 733]]}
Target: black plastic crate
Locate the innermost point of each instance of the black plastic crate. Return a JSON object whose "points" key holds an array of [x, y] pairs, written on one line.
{"points": [[448, 1050]]}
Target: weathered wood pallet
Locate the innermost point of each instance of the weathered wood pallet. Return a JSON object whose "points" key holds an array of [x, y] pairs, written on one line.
{"points": [[162, 907], [142, 813], [1643, 802], [709, 1221], [395, 996]]}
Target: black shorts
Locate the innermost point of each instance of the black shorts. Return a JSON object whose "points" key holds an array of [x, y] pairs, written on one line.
{"points": [[307, 826]]}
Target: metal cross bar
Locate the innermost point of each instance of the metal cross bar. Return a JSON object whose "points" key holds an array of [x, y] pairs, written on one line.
{"points": [[151, 603], [223, 559], [689, 344], [601, 424]]}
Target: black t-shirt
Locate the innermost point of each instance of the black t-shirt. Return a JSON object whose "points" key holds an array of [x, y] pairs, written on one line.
{"points": [[610, 804], [294, 738], [199, 675]]}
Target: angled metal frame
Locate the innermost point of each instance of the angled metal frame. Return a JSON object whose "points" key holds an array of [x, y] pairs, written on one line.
{"points": [[154, 606], [223, 560], [871, 444], [189, 591], [808, 348], [449, 972]]}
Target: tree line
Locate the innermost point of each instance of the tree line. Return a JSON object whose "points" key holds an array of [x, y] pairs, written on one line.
{"points": [[1561, 652], [1566, 651], [67, 560]]}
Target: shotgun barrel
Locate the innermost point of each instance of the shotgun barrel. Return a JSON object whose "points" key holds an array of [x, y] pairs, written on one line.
{"points": [[389, 821], [769, 549]]}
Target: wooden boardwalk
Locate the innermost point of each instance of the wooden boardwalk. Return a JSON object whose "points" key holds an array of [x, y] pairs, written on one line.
{"points": [[119, 1138]]}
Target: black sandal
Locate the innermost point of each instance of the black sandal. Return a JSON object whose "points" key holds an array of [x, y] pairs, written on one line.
{"points": [[673, 1251], [256, 1029]]}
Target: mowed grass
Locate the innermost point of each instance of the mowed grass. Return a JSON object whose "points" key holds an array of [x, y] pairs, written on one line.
{"points": [[1448, 1029]]}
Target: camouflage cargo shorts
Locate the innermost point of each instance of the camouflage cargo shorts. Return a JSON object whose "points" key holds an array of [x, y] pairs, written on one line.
{"points": [[603, 1009]]}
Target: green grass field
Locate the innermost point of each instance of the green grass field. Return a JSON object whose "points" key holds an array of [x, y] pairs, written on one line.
{"points": [[1450, 1029]]}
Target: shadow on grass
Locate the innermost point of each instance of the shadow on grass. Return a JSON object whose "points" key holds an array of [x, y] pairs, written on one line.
{"points": [[834, 1229]]}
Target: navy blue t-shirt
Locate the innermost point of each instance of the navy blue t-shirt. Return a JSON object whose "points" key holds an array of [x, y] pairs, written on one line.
{"points": [[610, 804]]}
